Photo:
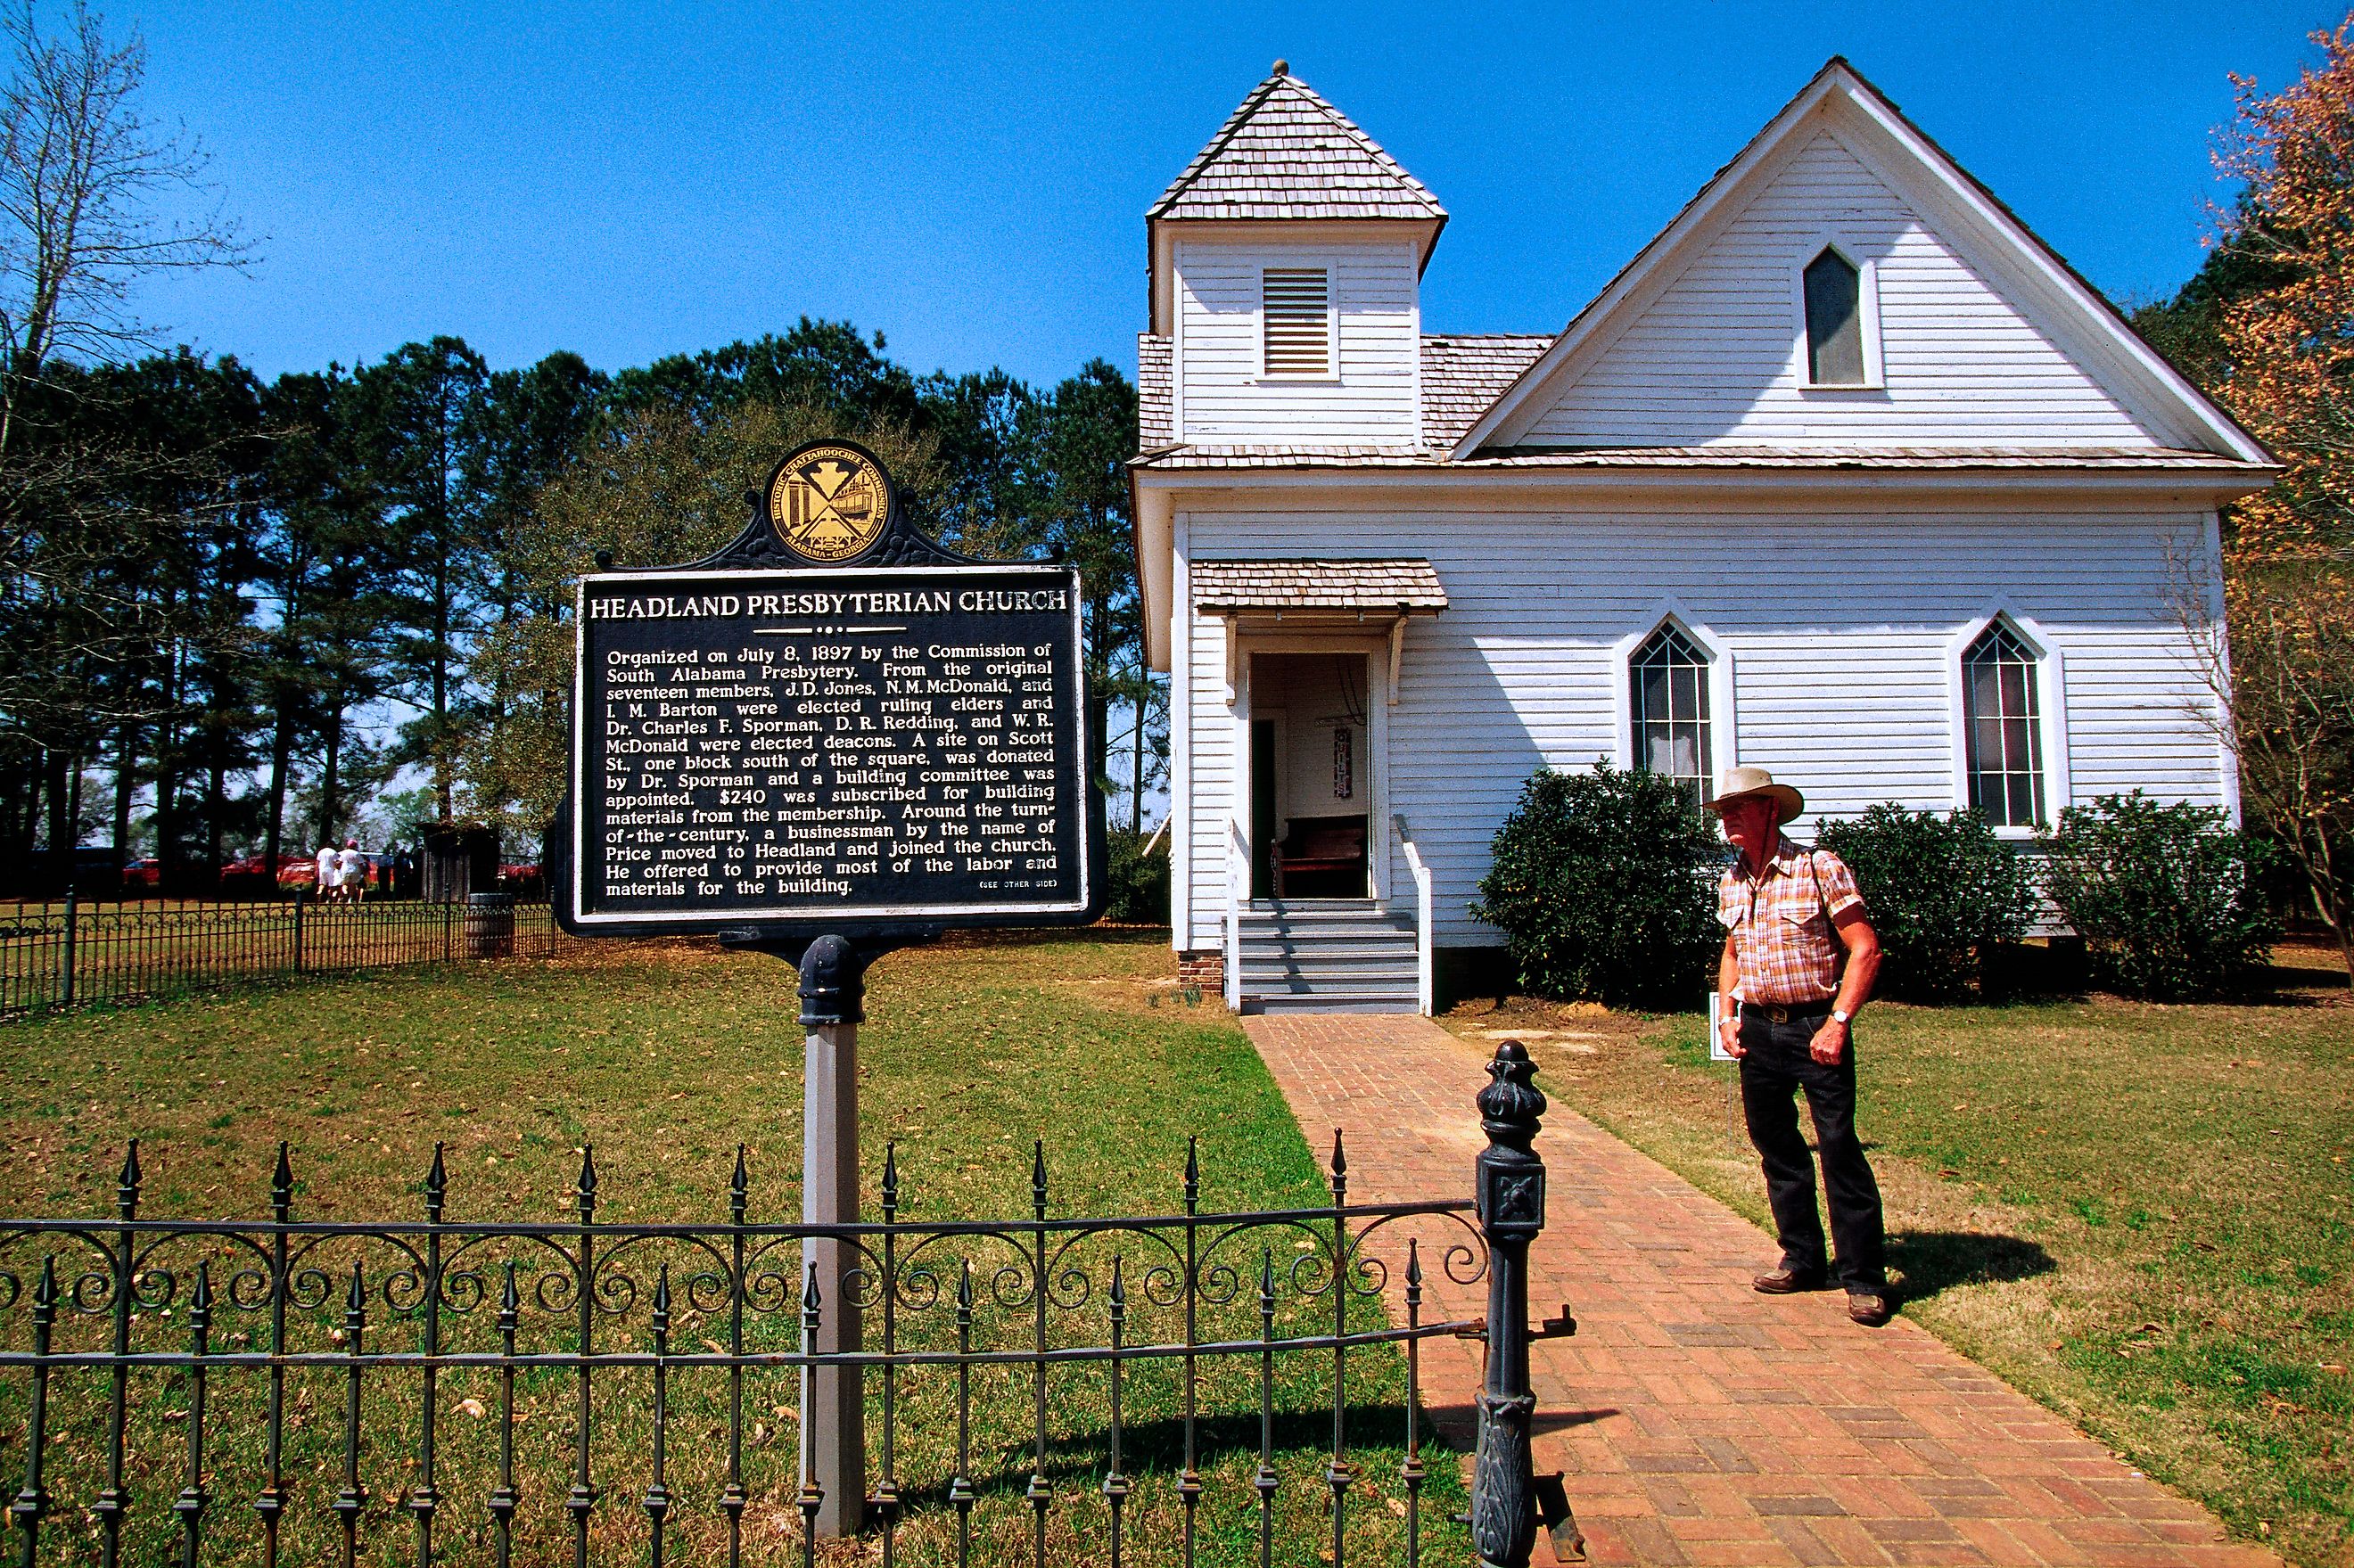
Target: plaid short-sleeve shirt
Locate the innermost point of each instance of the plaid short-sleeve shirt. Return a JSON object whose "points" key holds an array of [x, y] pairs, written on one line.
{"points": [[1780, 923]]}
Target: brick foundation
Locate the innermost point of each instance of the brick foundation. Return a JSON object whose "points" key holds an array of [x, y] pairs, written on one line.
{"points": [[1203, 967]]}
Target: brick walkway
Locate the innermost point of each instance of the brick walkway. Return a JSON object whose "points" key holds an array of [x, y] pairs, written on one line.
{"points": [[1696, 1420]]}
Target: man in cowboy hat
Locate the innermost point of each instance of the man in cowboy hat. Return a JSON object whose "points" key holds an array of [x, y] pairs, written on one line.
{"points": [[1792, 918]]}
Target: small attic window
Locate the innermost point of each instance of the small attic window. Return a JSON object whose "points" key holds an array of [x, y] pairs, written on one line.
{"points": [[1296, 306], [1834, 289]]}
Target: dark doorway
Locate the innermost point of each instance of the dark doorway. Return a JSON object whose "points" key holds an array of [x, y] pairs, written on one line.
{"points": [[1263, 810]]}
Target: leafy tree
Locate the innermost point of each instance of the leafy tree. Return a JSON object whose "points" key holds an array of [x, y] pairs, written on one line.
{"points": [[2268, 327], [988, 428], [418, 417], [1090, 434], [655, 487], [80, 175], [826, 366], [322, 575]]}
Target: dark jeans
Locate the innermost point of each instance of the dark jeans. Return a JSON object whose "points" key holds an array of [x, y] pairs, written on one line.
{"points": [[1777, 1067]]}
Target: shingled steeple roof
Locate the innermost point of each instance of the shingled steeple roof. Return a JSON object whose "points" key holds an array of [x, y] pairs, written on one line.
{"points": [[1288, 153]]}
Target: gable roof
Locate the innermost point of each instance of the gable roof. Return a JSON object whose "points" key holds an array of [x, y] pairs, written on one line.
{"points": [[1286, 154], [1838, 93]]}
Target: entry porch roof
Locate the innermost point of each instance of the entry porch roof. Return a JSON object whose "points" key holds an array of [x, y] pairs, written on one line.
{"points": [[1397, 585]]}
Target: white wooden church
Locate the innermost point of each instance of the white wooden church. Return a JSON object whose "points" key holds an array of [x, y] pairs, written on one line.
{"points": [[1845, 475]]}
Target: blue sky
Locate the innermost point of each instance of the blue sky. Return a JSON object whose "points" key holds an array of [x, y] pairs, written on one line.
{"points": [[971, 178]]}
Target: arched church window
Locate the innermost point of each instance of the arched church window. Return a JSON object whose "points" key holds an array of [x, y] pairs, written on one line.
{"points": [[1834, 321], [1668, 676], [2004, 730]]}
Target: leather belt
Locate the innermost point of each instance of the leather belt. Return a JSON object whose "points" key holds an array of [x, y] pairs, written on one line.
{"points": [[1779, 1014]]}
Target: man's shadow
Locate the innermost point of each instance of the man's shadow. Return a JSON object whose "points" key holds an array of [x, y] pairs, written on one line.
{"points": [[1933, 1261]]}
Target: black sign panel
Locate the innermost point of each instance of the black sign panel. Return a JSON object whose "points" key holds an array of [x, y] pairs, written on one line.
{"points": [[835, 723], [830, 748]]}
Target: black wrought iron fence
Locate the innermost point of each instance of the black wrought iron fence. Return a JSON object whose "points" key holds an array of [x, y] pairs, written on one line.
{"points": [[1041, 1387], [71, 952]]}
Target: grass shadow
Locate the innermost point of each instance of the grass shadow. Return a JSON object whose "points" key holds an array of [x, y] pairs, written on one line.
{"points": [[1934, 1261], [1156, 1446]]}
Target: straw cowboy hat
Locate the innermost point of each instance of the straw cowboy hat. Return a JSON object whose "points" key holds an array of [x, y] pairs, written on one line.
{"points": [[1739, 783]]}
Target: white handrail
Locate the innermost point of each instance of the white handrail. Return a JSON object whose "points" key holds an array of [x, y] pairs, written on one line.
{"points": [[1237, 877], [1425, 977]]}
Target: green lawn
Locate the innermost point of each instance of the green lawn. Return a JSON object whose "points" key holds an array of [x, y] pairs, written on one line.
{"points": [[665, 1057], [2139, 1214]]}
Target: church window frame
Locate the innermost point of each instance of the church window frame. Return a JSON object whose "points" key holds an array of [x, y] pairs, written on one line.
{"points": [[1866, 317], [2046, 725], [1715, 689]]}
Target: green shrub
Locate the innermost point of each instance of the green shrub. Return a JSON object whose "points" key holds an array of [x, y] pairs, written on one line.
{"points": [[1139, 882], [1603, 886], [2168, 899], [1941, 893]]}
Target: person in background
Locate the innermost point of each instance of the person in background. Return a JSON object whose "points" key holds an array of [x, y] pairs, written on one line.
{"points": [[324, 888], [1800, 959], [351, 872]]}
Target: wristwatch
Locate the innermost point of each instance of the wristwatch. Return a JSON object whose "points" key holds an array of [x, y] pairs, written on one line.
{"points": [[1842, 1016]]}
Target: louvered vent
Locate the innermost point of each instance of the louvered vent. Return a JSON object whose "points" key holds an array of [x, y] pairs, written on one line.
{"points": [[1296, 301]]}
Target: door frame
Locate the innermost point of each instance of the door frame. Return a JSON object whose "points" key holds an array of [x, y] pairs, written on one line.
{"points": [[1373, 649]]}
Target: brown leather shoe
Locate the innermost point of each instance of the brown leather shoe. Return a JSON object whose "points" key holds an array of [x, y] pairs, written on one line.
{"points": [[1789, 1281], [1871, 1307]]}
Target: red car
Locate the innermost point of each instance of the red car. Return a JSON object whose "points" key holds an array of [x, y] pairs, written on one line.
{"points": [[143, 876]]}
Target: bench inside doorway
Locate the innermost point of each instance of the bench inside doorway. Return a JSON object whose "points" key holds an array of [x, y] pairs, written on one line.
{"points": [[1320, 857]]}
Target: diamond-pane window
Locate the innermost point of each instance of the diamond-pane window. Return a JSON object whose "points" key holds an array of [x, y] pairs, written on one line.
{"points": [[2004, 732], [1834, 321], [1296, 305], [1669, 677]]}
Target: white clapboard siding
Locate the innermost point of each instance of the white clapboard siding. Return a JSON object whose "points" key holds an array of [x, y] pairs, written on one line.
{"points": [[1839, 628], [1223, 394], [1717, 357]]}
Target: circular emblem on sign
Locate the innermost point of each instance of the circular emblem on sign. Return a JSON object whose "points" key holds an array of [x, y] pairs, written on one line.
{"points": [[829, 504]]}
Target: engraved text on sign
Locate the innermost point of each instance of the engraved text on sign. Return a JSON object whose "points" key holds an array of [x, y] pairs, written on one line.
{"points": [[841, 744]]}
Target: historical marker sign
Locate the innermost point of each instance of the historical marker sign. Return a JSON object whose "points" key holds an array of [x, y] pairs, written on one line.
{"points": [[850, 747]]}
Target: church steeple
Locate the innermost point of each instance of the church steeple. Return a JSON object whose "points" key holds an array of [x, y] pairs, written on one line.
{"points": [[1287, 265], [1286, 155]]}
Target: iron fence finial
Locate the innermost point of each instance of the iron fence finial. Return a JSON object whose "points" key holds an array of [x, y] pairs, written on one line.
{"points": [[126, 1186], [437, 1187], [585, 1187], [282, 1187], [890, 1181], [1193, 1172], [739, 1190], [1038, 1178]]}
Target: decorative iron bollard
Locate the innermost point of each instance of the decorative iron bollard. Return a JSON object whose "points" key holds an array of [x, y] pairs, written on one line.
{"points": [[1511, 1193]]}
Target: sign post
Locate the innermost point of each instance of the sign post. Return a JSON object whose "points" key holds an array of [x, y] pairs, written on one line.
{"points": [[834, 1415], [832, 737]]}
